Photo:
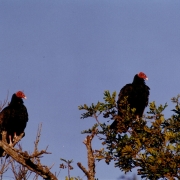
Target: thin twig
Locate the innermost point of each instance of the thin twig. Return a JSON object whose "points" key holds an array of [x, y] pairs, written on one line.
{"points": [[96, 118], [4, 103]]}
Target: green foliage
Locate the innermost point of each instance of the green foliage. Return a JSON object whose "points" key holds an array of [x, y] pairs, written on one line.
{"points": [[151, 143], [108, 106]]}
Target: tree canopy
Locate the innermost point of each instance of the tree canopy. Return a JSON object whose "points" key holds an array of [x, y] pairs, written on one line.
{"points": [[150, 143]]}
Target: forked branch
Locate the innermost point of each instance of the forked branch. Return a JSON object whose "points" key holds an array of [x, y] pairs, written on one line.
{"points": [[30, 161], [90, 173]]}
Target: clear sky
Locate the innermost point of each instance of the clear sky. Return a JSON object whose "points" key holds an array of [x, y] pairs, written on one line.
{"points": [[64, 53]]}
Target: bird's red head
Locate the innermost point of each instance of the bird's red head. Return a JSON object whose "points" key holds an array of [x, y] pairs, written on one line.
{"points": [[20, 94], [143, 76]]}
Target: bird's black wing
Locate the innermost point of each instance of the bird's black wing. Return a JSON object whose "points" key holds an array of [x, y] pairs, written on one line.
{"points": [[146, 94], [5, 116], [140, 99], [21, 119], [125, 92]]}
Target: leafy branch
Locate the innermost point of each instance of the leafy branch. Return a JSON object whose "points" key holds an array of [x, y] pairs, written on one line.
{"points": [[150, 143]]}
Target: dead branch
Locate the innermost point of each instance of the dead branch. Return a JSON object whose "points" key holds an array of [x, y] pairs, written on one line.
{"points": [[4, 165], [16, 140], [37, 138], [38, 154], [28, 161], [19, 171], [90, 173], [25, 160], [83, 169]]}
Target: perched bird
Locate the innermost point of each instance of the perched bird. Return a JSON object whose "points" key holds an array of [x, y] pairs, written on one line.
{"points": [[14, 117], [137, 94]]}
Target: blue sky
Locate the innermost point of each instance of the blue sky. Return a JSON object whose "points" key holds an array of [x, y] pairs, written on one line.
{"points": [[64, 53]]}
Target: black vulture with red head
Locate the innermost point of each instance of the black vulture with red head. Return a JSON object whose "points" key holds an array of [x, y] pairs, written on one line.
{"points": [[14, 117], [137, 94]]}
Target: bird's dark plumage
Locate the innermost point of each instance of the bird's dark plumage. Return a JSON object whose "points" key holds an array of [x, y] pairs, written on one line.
{"points": [[137, 94], [14, 117]]}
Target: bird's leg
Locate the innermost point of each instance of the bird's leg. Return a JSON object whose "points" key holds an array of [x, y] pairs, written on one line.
{"points": [[14, 136], [10, 140]]}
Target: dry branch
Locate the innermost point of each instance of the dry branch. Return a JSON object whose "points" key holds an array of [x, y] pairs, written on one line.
{"points": [[19, 171], [90, 173], [31, 162], [26, 161], [4, 165], [16, 140]]}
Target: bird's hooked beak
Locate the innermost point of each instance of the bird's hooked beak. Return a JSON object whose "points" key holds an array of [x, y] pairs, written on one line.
{"points": [[24, 97], [146, 78]]}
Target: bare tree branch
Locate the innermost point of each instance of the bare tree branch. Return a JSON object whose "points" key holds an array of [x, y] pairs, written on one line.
{"points": [[37, 138], [90, 173], [29, 161], [26, 161], [83, 169], [20, 172], [4, 166], [16, 140]]}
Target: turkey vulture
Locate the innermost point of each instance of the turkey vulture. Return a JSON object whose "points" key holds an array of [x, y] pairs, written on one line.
{"points": [[137, 94], [14, 117]]}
